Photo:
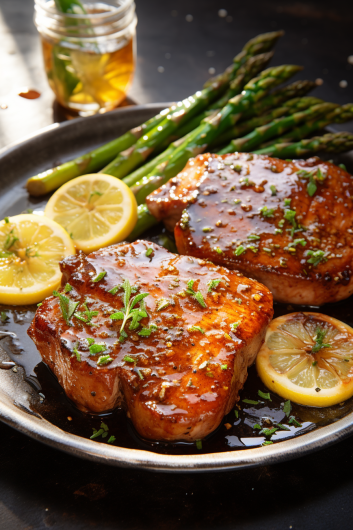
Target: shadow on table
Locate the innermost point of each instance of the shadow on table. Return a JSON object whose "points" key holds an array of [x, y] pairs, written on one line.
{"points": [[59, 491]]}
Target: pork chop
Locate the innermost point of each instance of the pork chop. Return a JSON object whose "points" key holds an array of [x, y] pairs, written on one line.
{"points": [[181, 367], [289, 224]]}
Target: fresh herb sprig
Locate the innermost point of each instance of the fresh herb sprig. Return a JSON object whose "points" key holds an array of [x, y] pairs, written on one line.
{"points": [[67, 306], [128, 312], [197, 295], [319, 340]]}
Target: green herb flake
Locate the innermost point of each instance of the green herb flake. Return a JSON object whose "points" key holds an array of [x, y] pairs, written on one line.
{"points": [[90, 340], [111, 440], [268, 432], [149, 252], [287, 202], [198, 296], [77, 354], [4, 317], [139, 374], [267, 442], [289, 215], [342, 166], [264, 395], [162, 303], [93, 193], [104, 359], [282, 427], [236, 412], [67, 306], [99, 277], [294, 422], [250, 402], [207, 229], [273, 190], [316, 257], [257, 426], [197, 328], [240, 250], [96, 433], [212, 284], [115, 289], [238, 300], [40, 304], [319, 340], [314, 363], [94, 349], [234, 326], [287, 407], [219, 250], [224, 367], [199, 444], [67, 288], [266, 212], [253, 237], [86, 315], [7, 220], [129, 359]]}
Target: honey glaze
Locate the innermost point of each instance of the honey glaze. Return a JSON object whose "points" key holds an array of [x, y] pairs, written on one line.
{"points": [[233, 433]]}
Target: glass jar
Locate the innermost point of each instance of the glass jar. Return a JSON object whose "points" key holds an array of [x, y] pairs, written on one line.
{"points": [[89, 56]]}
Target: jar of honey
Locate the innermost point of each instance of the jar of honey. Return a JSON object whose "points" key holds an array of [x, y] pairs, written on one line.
{"points": [[89, 51]]}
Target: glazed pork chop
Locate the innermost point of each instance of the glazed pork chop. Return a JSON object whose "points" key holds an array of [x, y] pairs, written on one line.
{"points": [[289, 224], [179, 370]]}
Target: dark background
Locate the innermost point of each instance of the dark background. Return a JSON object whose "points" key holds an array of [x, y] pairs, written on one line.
{"points": [[42, 488]]}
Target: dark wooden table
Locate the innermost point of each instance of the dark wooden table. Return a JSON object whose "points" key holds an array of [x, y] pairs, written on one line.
{"points": [[43, 488]]}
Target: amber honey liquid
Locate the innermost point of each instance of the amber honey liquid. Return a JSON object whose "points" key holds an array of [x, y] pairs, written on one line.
{"points": [[87, 80]]}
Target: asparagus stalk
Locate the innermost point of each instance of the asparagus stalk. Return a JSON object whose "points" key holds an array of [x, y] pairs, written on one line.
{"points": [[289, 107], [338, 115], [329, 143], [275, 128], [145, 221], [134, 157], [259, 44], [199, 140]]}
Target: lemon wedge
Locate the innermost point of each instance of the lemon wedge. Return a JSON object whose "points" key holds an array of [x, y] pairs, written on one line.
{"points": [[31, 247], [308, 358], [96, 210]]}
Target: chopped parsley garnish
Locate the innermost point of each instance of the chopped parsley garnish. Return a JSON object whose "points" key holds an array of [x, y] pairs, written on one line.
{"points": [[218, 250], [319, 340], [115, 289], [77, 354], [149, 252], [96, 348], [239, 251], [212, 284], [199, 444], [282, 427], [268, 432], [111, 439], [266, 212], [67, 288], [146, 332], [234, 326], [163, 303], [257, 426], [313, 177], [129, 359], [236, 412], [102, 431], [6, 220], [128, 311], [90, 340], [267, 442], [104, 359], [273, 190], [342, 166], [40, 304], [316, 256], [264, 395], [197, 295], [207, 229], [287, 202], [296, 242], [4, 316], [197, 328], [99, 277], [289, 215], [287, 407], [224, 367], [293, 421], [250, 402], [93, 193], [253, 237], [67, 306], [87, 315]]}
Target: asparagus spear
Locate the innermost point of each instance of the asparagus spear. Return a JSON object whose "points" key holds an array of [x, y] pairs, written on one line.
{"points": [[289, 107], [259, 44], [338, 115], [275, 128], [145, 221], [207, 131], [134, 157], [329, 143]]}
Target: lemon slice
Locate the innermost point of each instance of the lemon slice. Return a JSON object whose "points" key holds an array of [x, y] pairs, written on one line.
{"points": [[31, 247], [96, 210], [308, 358]]}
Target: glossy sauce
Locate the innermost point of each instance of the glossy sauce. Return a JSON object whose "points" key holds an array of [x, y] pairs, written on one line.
{"points": [[57, 409]]}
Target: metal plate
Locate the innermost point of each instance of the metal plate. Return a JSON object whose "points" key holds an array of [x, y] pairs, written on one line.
{"points": [[57, 144]]}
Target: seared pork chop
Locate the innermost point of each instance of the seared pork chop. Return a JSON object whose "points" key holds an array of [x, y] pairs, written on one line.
{"points": [[289, 224], [180, 370]]}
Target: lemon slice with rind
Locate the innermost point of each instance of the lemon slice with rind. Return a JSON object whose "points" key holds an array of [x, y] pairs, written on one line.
{"points": [[96, 210], [308, 358], [31, 247]]}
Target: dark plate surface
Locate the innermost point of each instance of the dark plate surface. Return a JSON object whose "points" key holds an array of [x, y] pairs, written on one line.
{"points": [[58, 144]]}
